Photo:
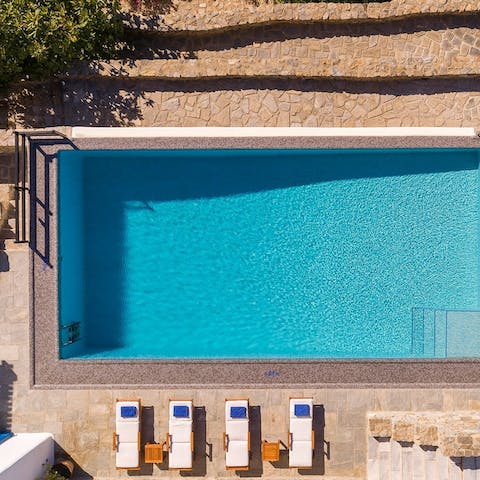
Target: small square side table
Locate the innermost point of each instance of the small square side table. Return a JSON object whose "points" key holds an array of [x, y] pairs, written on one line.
{"points": [[271, 451], [154, 453]]}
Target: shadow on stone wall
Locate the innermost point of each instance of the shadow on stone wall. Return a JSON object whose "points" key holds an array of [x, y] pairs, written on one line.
{"points": [[155, 7], [7, 212], [7, 165], [166, 45], [121, 102], [7, 379]]}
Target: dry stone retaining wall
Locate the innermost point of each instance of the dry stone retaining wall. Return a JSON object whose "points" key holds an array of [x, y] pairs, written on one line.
{"points": [[256, 103], [234, 63], [457, 434], [313, 52], [198, 15]]}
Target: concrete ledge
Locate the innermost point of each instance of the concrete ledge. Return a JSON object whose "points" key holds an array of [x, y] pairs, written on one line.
{"points": [[236, 132]]}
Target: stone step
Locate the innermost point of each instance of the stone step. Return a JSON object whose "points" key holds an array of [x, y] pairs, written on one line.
{"points": [[384, 463], [455, 469], [418, 463], [407, 462], [396, 461], [443, 464], [391, 460], [431, 464]]}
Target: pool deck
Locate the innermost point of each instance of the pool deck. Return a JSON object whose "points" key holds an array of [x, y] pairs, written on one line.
{"points": [[74, 400], [49, 371], [82, 418]]}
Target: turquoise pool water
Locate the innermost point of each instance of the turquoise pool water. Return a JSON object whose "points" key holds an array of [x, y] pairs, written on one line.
{"points": [[269, 253]]}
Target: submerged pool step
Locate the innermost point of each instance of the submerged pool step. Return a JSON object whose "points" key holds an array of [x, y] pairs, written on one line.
{"points": [[429, 332]]}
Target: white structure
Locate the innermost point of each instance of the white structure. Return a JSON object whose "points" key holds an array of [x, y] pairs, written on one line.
{"points": [[25, 456], [126, 439], [236, 439], [139, 132], [300, 434]]}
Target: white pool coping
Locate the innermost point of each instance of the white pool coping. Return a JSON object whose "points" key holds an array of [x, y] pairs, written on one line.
{"points": [[224, 132]]}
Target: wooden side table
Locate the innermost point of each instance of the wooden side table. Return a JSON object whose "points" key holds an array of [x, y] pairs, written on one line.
{"points": [[271, 451], [154, 453]]}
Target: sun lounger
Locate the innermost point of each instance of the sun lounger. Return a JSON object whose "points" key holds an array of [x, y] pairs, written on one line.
{"points": [[126, 438], [180, 434], [236, 439], [300, 436]]}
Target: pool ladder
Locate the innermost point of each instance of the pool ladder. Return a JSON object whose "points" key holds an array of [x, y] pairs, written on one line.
{"points": [[70, 333]]}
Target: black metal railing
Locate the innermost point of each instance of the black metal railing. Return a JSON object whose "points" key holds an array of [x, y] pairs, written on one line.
{"points": [[23, 166]]}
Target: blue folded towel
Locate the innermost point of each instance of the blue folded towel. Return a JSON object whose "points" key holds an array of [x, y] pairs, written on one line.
{"points": [[128, 411], [238, 412], [180, 411], [302, 410], [5, 436]]}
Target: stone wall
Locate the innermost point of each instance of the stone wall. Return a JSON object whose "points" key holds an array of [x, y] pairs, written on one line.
{"points": [[245, 63], [198, 15], [456, 433]]}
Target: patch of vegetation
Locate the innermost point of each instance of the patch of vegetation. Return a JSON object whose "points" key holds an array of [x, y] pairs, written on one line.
{"points": [[39, 38], [331, 1]]}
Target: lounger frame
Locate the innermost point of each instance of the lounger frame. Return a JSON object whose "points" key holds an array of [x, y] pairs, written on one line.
{"points": [[289, 433], [192, 436], [114, 443], [243, 468]]}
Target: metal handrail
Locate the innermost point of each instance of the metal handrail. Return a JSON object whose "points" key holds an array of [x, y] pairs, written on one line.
{"points": [[21, 167]]}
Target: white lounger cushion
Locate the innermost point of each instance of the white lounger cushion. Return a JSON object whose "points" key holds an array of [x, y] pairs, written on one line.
{"points": [[127, 455], [301, 454], [180, 456], [237, 435], [301, 429], [237, 429], [237, 454], [180, 431], [127, 432], [301, 443], [127, 429]]}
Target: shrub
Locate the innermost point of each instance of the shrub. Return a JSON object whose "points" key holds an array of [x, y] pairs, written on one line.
{"points": [[332, 1], [39, 38]]}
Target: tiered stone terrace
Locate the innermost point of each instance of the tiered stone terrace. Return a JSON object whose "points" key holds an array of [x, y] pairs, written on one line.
{"points": [[238, 63]]}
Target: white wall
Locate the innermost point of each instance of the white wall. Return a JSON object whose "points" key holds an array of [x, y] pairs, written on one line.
{"points": [[25, 455]]}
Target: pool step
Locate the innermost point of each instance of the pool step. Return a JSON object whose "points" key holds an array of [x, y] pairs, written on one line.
{"points": [[438, 333], [429, 332], [391, 460]]}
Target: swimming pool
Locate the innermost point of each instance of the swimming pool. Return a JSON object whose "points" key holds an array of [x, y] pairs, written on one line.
{"points": [[269, 253]]}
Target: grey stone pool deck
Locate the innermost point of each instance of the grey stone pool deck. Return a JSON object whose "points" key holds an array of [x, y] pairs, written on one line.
{"points": [[49, 371], [74, 399]]}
